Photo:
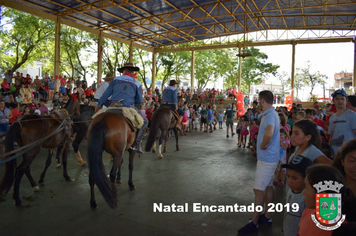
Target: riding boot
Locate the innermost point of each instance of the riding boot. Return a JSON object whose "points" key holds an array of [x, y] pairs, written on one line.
{"points": [[179, 123], [136, 146]]}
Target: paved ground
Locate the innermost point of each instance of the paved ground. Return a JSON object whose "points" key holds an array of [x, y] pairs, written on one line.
{"points": [[209, 169]]}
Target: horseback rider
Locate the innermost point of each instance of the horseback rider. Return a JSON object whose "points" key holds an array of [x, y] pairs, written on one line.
{"points": [[129, 90], [169, 99]]}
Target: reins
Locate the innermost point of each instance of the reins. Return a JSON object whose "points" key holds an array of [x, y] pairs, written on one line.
{"points": [[29, 146]]}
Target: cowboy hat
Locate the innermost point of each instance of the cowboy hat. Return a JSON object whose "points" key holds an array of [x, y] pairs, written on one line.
{"points": [[128, 66], [172, 82], [109, 77]]}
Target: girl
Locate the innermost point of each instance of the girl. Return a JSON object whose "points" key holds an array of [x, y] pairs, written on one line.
{"points": [[195, 121], [238, 132], [184, 123], [314, 175], [280, 173], [345, 162], [283, 122], [305, 137], [244, 130]]}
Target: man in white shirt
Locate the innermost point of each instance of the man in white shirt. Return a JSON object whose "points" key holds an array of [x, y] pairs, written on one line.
{"points": [[102, 87], [342, 124]]}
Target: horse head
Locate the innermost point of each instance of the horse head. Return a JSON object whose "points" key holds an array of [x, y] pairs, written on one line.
{"points": [[73, 108]]}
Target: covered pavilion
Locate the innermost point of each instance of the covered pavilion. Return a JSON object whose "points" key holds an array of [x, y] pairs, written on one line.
{"points": [[169, 26]]}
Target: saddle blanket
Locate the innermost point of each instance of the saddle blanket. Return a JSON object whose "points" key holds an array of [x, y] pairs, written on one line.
{"points": [[129, 113]]}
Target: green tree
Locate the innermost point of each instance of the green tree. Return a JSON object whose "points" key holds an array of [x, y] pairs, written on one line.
{"points": [[285, 80], [206, 67], [255, 68], [169, 64], [23, 38], [311, 79]]}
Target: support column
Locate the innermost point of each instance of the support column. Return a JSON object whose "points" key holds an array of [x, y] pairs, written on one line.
{"points": [[153, 79], [131, 52], [57, 42], [293, 70], [354, 72], [240, 68], [100, 56], [192, 66]]}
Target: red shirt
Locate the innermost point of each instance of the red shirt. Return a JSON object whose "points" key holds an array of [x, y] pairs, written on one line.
{"points": [[28, 80], [33, 106], [149, 114], [88, 92], [15, 113], [319, 122]]}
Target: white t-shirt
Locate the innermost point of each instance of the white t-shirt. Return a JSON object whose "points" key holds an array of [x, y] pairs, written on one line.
{"points": [[342, 128], [311, 152]]}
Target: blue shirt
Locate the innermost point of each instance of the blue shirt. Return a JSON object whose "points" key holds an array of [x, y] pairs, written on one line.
{"points": [[123, 87], [170, 95], [210, 115], [271, 154], [221, 117]]}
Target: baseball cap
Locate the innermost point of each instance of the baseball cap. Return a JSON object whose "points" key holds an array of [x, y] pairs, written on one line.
{"points": [[298, 163], [339, 91]]}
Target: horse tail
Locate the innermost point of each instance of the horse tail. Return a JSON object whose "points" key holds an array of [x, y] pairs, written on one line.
{"points": [[96, 166], [153, 131], [10, 167]]}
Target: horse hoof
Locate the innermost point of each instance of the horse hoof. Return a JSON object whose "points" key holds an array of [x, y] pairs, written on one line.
{"points": [[160, 156], [36, 189], [84, 164], [118, 181], [177, 149], [68, 179], [93, 206], [153, 151], [132, 188]]}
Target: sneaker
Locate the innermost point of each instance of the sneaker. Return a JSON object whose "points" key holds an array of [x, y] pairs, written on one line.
{"points": [[275, 182], [232, 134], [227, 136], [248, 229], [263, 220]]}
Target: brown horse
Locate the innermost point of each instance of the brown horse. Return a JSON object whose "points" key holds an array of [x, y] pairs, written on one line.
{"points": [[163, 120], [108, 132], [29, 130]]}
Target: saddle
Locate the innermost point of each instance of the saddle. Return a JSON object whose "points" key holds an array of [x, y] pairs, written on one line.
{"points": [[174, 111], [133, 119], [59, 116]]}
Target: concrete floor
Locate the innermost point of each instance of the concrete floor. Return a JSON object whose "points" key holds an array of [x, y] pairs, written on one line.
{"points": [[209, 169]]}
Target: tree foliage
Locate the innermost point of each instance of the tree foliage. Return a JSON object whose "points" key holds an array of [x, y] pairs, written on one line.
{"points": [[24, 37], [311, 79]]}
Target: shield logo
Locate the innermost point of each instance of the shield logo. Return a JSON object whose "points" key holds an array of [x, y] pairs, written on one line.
{"points": [[328, 208]]}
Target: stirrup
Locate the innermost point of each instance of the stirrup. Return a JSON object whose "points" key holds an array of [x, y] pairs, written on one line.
{"points": [[138, 150]]}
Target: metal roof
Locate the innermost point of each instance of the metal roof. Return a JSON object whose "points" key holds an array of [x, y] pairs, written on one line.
{"points": [[158, 23]]}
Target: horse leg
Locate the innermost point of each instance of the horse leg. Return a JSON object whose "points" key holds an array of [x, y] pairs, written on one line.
{"points": [[163, 136], [32, 181], [176, 134], [21, 169], [154, 147], [58, 156], [131, 159], [77, 141], [118, 176], [165, 145], [64, 160], [115, 166], [48, 163], [93, 204]]}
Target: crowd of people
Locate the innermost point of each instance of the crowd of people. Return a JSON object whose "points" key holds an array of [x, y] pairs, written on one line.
{"points": [[295, 149]]}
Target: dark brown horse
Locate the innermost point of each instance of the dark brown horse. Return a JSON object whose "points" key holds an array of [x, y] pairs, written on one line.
{"points": [[108, 132], [163, 120], [29, 130]]}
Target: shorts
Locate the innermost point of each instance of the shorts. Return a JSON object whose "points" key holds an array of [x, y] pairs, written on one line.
{"points": [[210, 122], [203, 120], [4, 127], [264, 175], [229, 122], [220, 122]]}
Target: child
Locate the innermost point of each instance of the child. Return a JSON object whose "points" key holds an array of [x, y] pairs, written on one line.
{"points": [[314, 175], [196, 121], [210, 118], [306, 138], [300, 115], [280, 173], [238, 131], [244, 131], [221, 118], [295, 180], [184, 123]]}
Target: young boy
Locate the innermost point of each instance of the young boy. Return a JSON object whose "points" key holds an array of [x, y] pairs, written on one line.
{"points": [[221, 118], [295, 180], [301, 115]]}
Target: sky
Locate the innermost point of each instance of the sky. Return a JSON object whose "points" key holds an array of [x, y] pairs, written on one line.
{"points": [[328, 58]]}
